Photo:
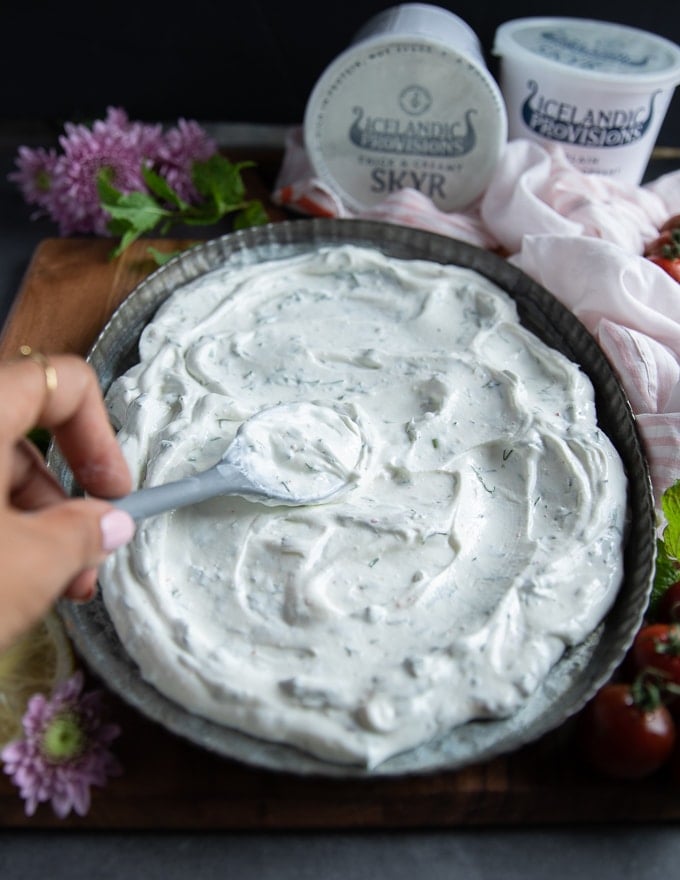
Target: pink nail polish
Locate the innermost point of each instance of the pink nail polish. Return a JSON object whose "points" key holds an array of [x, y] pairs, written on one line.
{"points": [[117, 528]]}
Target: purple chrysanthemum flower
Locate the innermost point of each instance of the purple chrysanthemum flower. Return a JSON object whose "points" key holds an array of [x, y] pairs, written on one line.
{"points": [[35, 175], [64, 185], [65, 749], [181, 147], [115, 144]]}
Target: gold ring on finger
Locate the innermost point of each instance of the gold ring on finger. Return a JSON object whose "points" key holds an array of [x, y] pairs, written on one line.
{"points": [[48, 369]]}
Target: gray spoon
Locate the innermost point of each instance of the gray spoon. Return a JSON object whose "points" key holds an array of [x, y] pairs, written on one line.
{"points": [[293, 454]]}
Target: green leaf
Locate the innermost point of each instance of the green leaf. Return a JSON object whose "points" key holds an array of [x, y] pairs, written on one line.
{"points": [[161, 188], [218, 180], [204, 214], [118, 227], [253, 214], [107, 192], [139, 210], [132, 214], [125, 241], [670, 504], [163, 257]]}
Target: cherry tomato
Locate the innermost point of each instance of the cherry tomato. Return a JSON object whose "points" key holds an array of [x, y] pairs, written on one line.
{"points": [[657, 647], [672, 223], [655, 248], [665, 249], [623, 740], [668, 608], [668, 264]]}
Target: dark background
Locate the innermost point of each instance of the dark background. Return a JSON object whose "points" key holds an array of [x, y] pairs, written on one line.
{"points": [[220, 60]]}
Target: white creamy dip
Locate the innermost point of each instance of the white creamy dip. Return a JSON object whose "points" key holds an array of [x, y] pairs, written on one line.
{"points": [[480, 535], [297, 452]]}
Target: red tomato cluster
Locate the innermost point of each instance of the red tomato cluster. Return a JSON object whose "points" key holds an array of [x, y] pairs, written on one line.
{"points": [[630, 728], [665, 250]]}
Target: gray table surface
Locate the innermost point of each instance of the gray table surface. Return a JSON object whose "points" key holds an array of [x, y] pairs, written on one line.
{"points": [[611, 851]]}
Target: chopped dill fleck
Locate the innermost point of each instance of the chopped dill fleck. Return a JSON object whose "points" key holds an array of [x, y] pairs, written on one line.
{"points": [[373, 562], [435, 443], [506, 454], [481, 480]]}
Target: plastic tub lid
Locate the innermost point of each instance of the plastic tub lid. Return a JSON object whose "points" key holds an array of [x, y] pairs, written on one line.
{"points": [[615, 53]]}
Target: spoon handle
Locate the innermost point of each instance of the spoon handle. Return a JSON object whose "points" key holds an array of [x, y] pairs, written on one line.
{"points": [[217, 480]]}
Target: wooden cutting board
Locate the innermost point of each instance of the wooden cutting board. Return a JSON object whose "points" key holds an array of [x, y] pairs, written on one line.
{"points": [[70, 290]]}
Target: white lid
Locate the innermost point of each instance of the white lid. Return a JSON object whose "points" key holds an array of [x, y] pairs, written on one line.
{"points": [[612, 52], [424, 20], [394, 112]]}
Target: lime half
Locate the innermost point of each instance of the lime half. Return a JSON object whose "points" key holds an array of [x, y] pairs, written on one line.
{"points": [[38, 661]]}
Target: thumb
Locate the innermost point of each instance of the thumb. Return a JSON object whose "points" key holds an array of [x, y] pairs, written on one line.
{"points": [[78, 534], [46, 551]]}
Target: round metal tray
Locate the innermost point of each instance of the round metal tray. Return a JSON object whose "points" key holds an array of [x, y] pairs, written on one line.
{"points": [[579, 673]]}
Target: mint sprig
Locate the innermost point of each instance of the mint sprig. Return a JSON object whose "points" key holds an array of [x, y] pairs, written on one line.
{"points": [[218, 182], [667, 570], [670, 505]]}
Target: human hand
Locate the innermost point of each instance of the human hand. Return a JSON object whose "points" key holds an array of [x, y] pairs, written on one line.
{"points": [[51, 545]]}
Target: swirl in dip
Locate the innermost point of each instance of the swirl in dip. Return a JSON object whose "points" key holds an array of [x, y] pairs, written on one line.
{"points": [[481, 534]]}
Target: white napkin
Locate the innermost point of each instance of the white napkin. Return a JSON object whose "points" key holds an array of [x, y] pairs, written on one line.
{"points": [[632, 308], [582, 237]]}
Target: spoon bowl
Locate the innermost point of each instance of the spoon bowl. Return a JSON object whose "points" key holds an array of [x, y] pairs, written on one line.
{"points": [[292, 454]]}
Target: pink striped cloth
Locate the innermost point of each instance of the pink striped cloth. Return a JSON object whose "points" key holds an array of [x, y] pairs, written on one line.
{"points": [[580, 236]]}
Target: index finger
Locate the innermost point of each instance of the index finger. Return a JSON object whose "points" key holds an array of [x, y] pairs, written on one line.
{"points": [[73, 411]]}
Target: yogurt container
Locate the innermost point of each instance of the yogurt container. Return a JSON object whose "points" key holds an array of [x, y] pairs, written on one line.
{"points": [[599, 89], [410, 104]]}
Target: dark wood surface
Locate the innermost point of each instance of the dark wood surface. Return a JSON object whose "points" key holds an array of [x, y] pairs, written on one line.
{"points": [[70, 290]]}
